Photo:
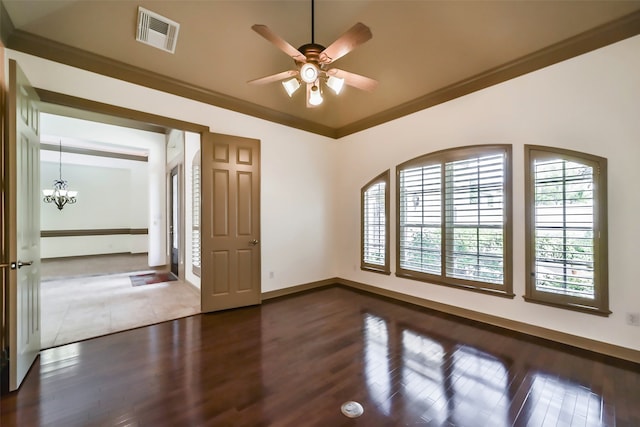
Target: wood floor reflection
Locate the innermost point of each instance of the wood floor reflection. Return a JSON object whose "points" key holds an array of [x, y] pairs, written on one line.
{"points": [[295, 360]]}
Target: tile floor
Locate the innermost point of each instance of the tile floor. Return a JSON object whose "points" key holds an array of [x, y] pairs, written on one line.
{"points": [[93, 265], [80, 307]]}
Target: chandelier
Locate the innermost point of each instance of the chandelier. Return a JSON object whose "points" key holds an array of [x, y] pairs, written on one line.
{"points": [[60, 195]]}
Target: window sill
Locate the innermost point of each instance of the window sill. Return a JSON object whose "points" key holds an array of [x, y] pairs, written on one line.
{"points": [[570, 306], [486, 291], [376, 270]]}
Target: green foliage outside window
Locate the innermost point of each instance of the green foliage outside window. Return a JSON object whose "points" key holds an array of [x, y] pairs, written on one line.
{"points": [[564, 244]]}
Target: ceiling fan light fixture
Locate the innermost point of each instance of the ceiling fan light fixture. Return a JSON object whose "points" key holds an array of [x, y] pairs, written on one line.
{"points": [[291, 86], [335, 84], [309, 73], [312, 59], [315, 97]]}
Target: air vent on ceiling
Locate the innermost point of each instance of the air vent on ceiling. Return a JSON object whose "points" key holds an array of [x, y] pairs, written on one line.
{"points": [[156, 30]]}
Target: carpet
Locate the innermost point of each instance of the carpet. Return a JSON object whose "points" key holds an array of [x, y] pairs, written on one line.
{"points": [[151, 278]]}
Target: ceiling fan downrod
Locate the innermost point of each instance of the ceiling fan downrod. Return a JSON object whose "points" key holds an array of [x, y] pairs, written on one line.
{"points": [[313, 41]]}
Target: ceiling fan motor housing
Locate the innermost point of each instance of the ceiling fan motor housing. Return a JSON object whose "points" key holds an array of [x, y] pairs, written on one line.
{"points": [[312, 52]]}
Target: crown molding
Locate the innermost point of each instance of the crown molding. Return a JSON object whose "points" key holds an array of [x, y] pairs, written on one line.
{"points": [[614, 31], [44, 48], [6, 25]]}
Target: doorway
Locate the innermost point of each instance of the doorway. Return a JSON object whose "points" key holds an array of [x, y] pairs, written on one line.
{"points": [[85, 300]]}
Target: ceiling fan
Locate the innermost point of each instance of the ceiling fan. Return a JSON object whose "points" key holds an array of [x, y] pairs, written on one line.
{"points": [[312, 63]]}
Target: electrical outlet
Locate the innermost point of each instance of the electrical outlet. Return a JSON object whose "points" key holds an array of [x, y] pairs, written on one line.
{"points": [[271, 275], [633, 319]]}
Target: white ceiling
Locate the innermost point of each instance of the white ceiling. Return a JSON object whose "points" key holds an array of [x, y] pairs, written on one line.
{"points": [[95, 136]]}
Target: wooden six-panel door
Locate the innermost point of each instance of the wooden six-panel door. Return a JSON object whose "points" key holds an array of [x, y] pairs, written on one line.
{"points": [[230, 222]]}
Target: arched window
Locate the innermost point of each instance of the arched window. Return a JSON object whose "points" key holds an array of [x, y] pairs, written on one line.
{"points": [[454, 219], [375, 225], [566, 229]]}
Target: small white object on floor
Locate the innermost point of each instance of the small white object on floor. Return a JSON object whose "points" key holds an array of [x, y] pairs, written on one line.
{"points": [[352, 409]]}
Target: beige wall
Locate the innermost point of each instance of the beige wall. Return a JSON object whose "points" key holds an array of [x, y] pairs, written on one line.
{"points": [[590, 103], [296, 170], [311, 184]]}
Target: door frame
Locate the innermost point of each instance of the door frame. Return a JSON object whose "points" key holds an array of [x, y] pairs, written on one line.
{"points": [[175, 170], [5, 262]]}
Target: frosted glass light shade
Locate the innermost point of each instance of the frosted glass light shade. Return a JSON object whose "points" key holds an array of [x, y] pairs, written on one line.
{"points": [[291, 86], [315, 98], [309, 73], [335, 84]]}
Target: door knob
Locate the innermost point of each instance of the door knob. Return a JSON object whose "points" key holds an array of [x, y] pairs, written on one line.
{"points": [[24, 264], [254, 242]]}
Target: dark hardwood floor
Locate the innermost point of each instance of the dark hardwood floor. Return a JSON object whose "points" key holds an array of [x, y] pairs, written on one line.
{"points": [[293, 361]]}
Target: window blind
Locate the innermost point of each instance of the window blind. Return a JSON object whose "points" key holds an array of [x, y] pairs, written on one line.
{"points": [[421, 219], [374, 217], [195, 230], [474, 219], [564, 228], [454, 218]]}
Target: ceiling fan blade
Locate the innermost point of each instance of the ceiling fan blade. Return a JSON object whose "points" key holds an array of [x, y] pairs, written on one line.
{"points": [[353, 38], [279, 42], [274, 78], [355, 80]]}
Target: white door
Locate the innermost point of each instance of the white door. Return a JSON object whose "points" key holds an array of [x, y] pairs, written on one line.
{"points": [[174, 221], [23, 176]]}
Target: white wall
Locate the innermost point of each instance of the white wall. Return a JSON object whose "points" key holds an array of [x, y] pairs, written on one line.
{"points": [[296, 168], [310, 184], [175, 147], [591, 104], [109, 197], [146, 187]]}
